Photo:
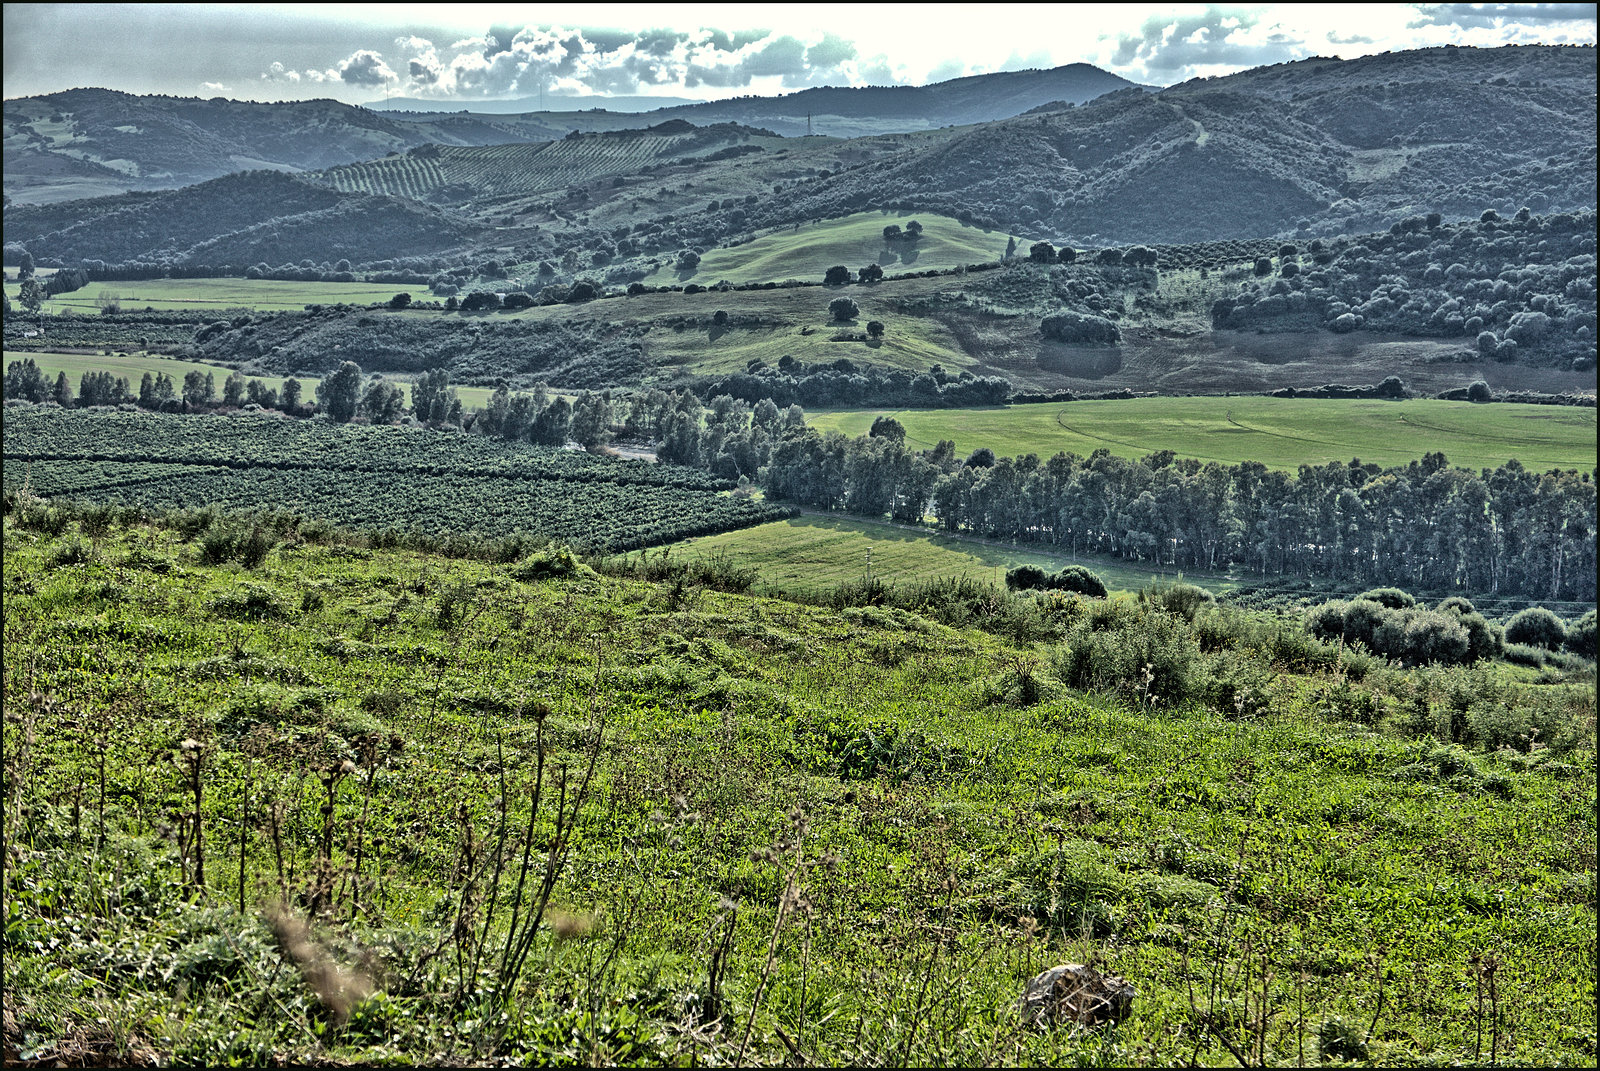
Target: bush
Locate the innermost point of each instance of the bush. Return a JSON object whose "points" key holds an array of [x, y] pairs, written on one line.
{"points": [[1079, 327], [1077, 578], [1179, 599], [248, 602], [1393, 598], [1537, 627], [1141, 654], [556, 562], [1025, 578], [1580, 636]]}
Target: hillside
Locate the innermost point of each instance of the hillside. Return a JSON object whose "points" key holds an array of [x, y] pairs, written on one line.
{"points": [[352, 805], [95, 142], [237, 220]]}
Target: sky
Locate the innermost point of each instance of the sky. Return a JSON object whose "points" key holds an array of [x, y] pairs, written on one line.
{"points": [[361, 53]]}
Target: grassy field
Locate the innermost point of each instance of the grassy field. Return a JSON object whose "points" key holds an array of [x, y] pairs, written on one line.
{"points": [[1281, 433], [812, 554], [808, 251], [267, 295], [135, 365], [807, 334], [336, 809]]}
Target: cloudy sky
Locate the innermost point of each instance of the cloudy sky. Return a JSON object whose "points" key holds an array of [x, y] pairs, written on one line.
{"points": [[360, 53]]}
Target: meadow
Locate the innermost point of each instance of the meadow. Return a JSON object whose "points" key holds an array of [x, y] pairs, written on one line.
{"points": [[808, 250], [1281, 433], [215, 295], [351, 805], [814, 553], [133, 366]]}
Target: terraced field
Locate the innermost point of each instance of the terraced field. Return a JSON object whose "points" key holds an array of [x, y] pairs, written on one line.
{"points": [[1282, 433], [264, 295]]}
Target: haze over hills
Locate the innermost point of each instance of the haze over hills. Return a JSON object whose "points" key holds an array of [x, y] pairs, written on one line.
{"points": [[553, 102]]}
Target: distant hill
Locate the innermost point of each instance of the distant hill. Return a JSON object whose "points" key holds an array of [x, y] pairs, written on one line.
{"points": [[238, 220], [551, 102], [90, 142], [1325, 145]]}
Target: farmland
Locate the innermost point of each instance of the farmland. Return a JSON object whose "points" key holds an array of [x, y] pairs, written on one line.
{"points": [[133, 366], [213, 295], [1282, 433], [810, 249], [812, 554], [367, 477]]}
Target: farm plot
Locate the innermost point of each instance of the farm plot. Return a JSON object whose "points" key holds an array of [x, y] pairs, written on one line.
{"points": [[368, 477]]}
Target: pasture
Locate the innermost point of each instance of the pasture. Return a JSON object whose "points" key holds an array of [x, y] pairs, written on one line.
{"points": [[855, 241], [1282, 433], [212, 295], [811, 554]]}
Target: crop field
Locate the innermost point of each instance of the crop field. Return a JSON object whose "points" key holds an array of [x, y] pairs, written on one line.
{"points": [[854, 241], [367, 477], [356, 806], [133, 366], [265, 295], [505, 170], [812, 554], [1281, 433]]}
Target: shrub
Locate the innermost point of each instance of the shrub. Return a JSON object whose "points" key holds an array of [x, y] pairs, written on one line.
{"points": [[1025, 578], [1178, 599], [1478, 391], [1077, 578], [1393, 598], [1141, 654], [72, 551], [248, 602], [555, 562], [1455, 604], [1580, 636], [1536, 627], [1079, 327]]}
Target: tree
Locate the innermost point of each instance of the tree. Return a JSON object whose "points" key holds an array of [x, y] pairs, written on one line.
{"points": [[1067, 255], [590, 424], [1042, 253], [875, 328], [233, 389], [892, 233], [339, 395], [290, 395], [1263, 266], [62, 395], [838, 275], [1111, 258], [843, 309], [25, 380], [913, 231], [1536, 627], [981, 458], [688, 260], [382, 402], [872, 273], [399, 301], [1011, 249], [31, 294], [887, 427], [720, 318], [1478, 391], [199, 389]]}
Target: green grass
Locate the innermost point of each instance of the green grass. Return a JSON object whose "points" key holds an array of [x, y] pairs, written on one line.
{"points": [[266, 295], [135, 365], [854, 241], [808, 335], [1281, 433], [948, 820], [812, 554]]}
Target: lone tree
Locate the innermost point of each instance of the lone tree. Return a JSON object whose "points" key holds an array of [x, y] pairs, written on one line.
{"points": [[843, 309], [340, 393], [720, 318], [1042, 253], [887, 427], [399, 301], [875, 328], [913, 231], [837, 275]]}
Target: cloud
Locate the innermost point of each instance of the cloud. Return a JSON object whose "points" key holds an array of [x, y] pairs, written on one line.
{"points": [[279, 73], [366, 68], [1169, 47], [216, 88], [831, 51], [947, 70], [1498, 15]]}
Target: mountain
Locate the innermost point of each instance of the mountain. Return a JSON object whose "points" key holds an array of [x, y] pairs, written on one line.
{"points": [[527, 105]]}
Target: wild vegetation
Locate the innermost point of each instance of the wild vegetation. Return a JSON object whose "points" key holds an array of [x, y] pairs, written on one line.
{"points": [[344, 803]]}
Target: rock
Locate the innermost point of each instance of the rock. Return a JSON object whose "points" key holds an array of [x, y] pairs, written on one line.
{"points": [[1073, 993]]}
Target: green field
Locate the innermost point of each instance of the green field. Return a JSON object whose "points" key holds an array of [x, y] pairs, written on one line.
{"points": [[854, 241], [1281, 433], [811, 554], [267, 295], [135, 365]]}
